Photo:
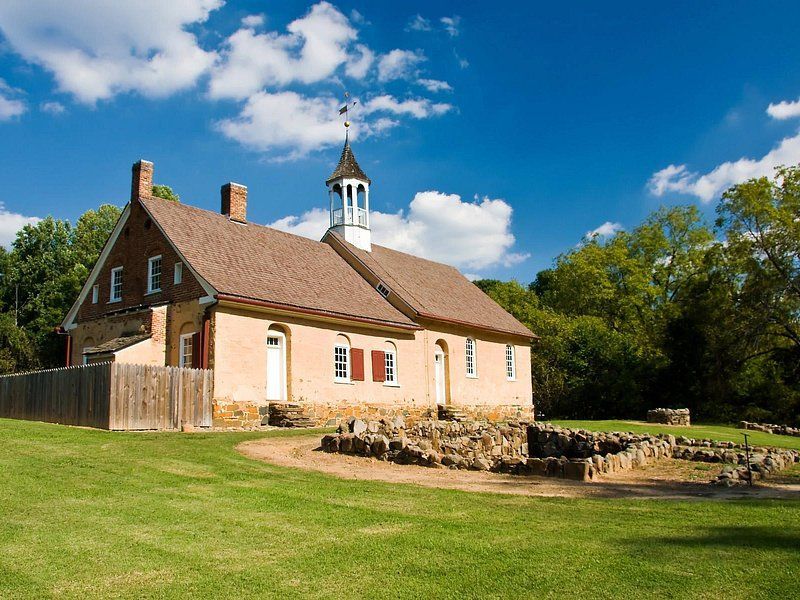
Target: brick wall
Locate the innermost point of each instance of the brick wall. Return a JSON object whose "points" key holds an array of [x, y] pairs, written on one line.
{"points": [[139, 240]]}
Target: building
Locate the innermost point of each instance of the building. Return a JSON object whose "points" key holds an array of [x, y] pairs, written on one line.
{"points": [[342, 326]]}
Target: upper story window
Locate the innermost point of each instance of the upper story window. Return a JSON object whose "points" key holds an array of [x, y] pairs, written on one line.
{"points": [[154, 274], [185, 358], [95, 293], [116, 285], [472, 370], [341, 359], [178, 276], [390, 361], [511, 366]]}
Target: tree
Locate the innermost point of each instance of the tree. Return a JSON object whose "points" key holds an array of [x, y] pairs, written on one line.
{"points": [[165, 192]]}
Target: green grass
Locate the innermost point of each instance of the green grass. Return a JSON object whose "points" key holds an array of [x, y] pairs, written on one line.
{"points": [[92, 514], [714, 432]]}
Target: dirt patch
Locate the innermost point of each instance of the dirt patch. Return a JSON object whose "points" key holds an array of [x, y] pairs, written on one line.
{"points": [[666, 478]]}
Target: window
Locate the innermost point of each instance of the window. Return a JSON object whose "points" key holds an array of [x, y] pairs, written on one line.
{"points": [[470, 356], [511, 368], [116, 285], [382, 290], [390, 360], [154, 274], [341, 362], [273, 341], [95, 293], [187, 348], [178, 277]]}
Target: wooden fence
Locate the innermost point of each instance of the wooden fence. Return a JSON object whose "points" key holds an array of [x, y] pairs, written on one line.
{"points": [[111, 396]]}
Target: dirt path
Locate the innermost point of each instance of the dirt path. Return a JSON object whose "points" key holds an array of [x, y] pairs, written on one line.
{"points": [[666, 479]]}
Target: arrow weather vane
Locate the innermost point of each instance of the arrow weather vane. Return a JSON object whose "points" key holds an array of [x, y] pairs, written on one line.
{"points": [[348, 106]]}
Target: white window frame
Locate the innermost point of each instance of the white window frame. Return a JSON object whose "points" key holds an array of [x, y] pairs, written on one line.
{"points": [[182, 354], [511, 363], [341, 351], [471, 358], [113, 296], [151, 273], [177, 277], [95, 294], [390, 366]]}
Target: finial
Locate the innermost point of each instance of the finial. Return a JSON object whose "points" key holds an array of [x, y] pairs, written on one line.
{"points": [[345, 110]]}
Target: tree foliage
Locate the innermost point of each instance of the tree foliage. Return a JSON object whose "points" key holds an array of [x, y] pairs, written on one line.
{"points": [[165, 192]]}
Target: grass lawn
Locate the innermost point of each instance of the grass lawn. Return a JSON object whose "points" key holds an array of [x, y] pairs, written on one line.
{"points": [[714, 432], [92, 514]]}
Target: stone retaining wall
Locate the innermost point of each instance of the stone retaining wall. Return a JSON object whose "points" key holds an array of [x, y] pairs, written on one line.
{"points": [[770, 428], [669, 416]]}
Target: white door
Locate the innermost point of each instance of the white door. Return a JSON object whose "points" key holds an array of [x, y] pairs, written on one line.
{"points": [[276, 367], [438, 378]]}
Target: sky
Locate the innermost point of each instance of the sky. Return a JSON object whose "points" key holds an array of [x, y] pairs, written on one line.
{"points": [[497, 134]]}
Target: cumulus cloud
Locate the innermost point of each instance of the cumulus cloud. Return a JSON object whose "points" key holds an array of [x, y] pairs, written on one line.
{"points": [[784, 110], [451, 25], [253, 20], [10, 105], [435, 85], [96, 49], [53, 108], [11, 223], [359, 62], [441, 227], [419, 108], [706, 187], [606, 230], [419, 23], [314, 47], [399, 64]]}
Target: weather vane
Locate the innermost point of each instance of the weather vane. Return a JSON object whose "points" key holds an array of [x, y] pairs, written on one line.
{"points": [[348, 106]]}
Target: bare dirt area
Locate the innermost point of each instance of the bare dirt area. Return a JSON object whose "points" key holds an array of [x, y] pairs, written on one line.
{"points": [[665, 479]]}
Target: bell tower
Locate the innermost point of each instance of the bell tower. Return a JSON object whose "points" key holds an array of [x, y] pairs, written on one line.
{"points": [[348, 190]]}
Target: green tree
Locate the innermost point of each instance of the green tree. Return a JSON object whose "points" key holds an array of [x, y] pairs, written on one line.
{"points": [[165, 192]]}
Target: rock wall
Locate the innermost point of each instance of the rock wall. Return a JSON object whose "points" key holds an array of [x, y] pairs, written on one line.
{"points": [[770, 428], [669, 416]]}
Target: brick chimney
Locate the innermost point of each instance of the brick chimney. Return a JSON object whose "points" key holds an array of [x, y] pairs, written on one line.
{"points": [[234, 202], [142, 180]]}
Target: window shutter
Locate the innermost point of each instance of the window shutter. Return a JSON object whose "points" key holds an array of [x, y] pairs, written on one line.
{"points": [[197, 350], [356, 364], [378, 365]]}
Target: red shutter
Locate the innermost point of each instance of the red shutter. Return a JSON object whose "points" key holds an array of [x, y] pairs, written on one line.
{"points": [[197, 351], [378, 365], [356, 364]]}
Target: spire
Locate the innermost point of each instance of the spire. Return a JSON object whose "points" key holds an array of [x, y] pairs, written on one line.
{"points": [[348, 166]]}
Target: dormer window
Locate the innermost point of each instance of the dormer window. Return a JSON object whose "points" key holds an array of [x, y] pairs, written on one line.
{"points": [[382, 290], [154, 274]]}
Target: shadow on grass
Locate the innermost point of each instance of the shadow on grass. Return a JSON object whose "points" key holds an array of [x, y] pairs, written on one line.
{"points": [[753, 538]]}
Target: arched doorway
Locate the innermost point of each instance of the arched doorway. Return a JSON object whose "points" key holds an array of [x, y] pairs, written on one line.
{"points": [[276, 364], [440, 380]]}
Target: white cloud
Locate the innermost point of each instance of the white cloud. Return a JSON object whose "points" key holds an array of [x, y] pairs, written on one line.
{"points": [[419, 108], [419, 23], [435, 85], [53, 108], [399, 64], [607, 229], [784, 110], [10, 106], [451, 25], [677, 178], [11, 223], [358, 63], [358, 18], [314, 47], [442, 227], [462, 62], [96, 49], [253, 21]]}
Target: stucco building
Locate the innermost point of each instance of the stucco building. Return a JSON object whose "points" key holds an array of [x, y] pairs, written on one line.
{"points": [[342, 326]]}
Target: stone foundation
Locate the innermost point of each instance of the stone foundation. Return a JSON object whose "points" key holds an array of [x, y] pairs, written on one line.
{"points": [[770, 428], [238, 415], [669, 416]]}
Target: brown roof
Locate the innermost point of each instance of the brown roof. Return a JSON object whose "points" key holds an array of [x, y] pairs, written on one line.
{"points": [[435, 290], [348, 166], [117, 344], [254, 262]]}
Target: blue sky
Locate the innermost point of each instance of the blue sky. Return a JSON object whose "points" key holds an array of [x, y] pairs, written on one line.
{"points": [[496, 134]]}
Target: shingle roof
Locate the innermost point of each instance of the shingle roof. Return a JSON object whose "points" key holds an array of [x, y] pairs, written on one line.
{"points": [[348, 166], [436, 290], [260, 263], [117, 344]]}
